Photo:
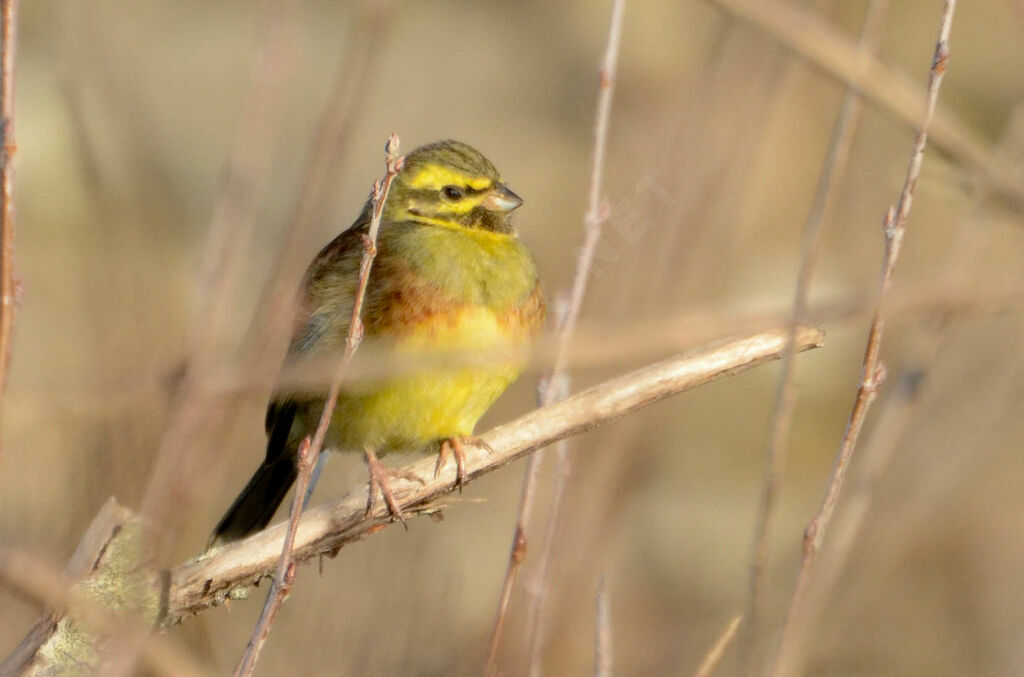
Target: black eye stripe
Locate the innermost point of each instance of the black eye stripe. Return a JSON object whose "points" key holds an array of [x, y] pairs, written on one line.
{"points": [[426, 195]]}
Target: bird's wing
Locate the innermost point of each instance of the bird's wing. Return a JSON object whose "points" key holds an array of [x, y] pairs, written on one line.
{"points": [[322, 317]]}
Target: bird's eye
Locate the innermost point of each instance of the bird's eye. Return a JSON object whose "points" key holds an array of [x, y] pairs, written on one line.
{"points": [[452, 193]]}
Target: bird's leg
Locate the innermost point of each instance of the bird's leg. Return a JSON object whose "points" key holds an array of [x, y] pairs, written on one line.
{"points": [[380, 480], [455, 446]]}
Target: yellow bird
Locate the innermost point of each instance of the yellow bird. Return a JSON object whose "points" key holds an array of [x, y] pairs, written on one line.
{"points": [[450, 274]]}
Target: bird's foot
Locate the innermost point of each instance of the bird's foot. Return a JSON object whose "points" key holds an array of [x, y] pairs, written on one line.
{"points": [[380, 480], [455, 446]]}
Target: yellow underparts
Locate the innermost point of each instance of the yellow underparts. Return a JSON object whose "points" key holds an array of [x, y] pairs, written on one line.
{"points": [[408, 412]]}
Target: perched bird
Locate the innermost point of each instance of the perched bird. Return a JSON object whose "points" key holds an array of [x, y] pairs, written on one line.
{"points": [[450, 273]]}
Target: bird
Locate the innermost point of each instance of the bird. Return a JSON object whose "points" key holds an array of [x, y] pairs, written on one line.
{"points": [[450, 273]]}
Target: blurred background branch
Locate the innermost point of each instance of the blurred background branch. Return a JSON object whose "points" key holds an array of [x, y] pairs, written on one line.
{"points": [[825, 196], [8, 147]]}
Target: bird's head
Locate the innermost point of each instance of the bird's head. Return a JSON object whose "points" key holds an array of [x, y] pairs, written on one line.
{"points": [[450, 184]]}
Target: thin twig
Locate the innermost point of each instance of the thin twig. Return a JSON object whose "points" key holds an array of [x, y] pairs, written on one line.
{"points": [[592, 233], [8, 146], [832, 174], [354, 338], [308, 452], [964, 255], [828, 49], [210, 578], [305, 460], [717, 651], [603, 656], [873, 373]]}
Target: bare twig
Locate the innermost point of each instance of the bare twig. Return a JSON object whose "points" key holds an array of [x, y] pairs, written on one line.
{"points": [[355, 329], [910, 387], [592, 234], [212, 577], [305, 460], [308, 452], [8, 146], [874, 372], [718, 649], [822, 45], [603, 656], [832, 173]]}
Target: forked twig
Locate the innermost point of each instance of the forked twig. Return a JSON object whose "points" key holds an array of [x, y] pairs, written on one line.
{"points": [[873, 371], [309, 450], [592, 233], [832, 174]]}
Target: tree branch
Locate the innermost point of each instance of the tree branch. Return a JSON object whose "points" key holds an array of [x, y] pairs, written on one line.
{"points": [[221, 574]]}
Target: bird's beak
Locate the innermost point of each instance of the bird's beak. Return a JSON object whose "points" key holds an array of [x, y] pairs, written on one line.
{"points": [[501, 199]]}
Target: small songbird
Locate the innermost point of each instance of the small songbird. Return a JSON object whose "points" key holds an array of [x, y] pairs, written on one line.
{"points": [[450, 274]]}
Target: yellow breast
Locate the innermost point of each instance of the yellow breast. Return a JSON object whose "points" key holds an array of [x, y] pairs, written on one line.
{"points": [[461, 361]]}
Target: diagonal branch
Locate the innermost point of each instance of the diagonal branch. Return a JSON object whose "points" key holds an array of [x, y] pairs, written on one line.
{"points": [[213, 577]]}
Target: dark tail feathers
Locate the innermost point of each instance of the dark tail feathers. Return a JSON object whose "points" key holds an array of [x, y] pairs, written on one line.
{"points": [[256, 505]]}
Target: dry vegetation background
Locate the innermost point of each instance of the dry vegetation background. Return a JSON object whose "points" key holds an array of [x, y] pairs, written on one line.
{"points": [[126, 114]]}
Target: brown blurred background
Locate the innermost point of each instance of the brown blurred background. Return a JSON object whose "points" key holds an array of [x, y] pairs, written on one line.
{"points": [[127, 115]]}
